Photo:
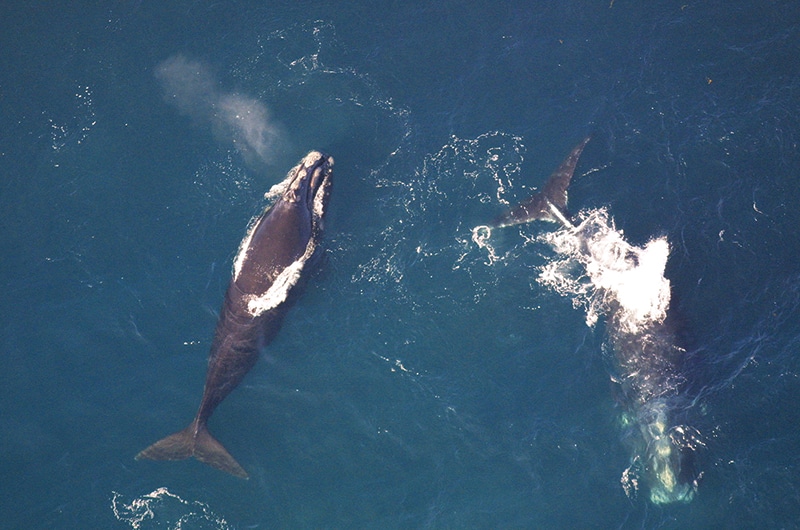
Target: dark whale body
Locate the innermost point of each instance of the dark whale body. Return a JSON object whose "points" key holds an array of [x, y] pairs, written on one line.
{"points": [[269, 263]]}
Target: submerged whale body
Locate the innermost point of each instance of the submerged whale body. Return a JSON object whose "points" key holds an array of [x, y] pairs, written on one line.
{"points": [[271, 259], [629, 288]]}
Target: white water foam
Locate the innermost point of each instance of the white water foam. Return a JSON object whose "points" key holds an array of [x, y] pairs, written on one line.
{"points": [[599, 269], [424, 232], [279, 290], [164, 509]]}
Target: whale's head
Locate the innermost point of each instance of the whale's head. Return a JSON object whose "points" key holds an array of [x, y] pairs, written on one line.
{"points": [[668, 458], [309, 183], [278, 243]]}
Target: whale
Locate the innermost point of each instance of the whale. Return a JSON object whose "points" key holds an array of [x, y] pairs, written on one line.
{"points": [[646, 367], [272, 258]]}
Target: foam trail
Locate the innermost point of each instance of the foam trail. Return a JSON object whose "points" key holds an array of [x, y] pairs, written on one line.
{"points": [[234, 118], [163, 509]]}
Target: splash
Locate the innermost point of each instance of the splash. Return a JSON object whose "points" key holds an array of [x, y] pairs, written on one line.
{"points": [[600, 269], [602, 272], [610, 278]]}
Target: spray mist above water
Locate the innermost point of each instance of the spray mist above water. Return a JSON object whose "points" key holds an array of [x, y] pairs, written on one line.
{"points": [[234, 118]]}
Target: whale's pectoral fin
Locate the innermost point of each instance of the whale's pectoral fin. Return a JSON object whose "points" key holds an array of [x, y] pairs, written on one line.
{"points": [[194, 440], [550, 204], [555, 189]]}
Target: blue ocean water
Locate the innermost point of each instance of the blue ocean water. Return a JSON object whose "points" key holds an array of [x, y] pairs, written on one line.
{"points": [[417, 382]]}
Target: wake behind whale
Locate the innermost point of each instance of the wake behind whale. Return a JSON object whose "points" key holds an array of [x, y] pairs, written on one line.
{"points": [[607, 276]]}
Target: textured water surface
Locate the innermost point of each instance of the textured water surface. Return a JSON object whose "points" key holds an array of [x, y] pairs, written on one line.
{"points": [[426, 378]]}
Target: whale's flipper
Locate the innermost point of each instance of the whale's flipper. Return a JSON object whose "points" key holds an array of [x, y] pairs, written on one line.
{"points": [[551, 203], [196, 441]]}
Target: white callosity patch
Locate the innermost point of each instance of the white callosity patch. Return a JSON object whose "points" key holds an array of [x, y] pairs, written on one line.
{"points": [[275, 193], [279, 190]]}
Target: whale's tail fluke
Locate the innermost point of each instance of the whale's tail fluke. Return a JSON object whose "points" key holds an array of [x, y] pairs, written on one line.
{"points": [[551, 203], [196, 441]]}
